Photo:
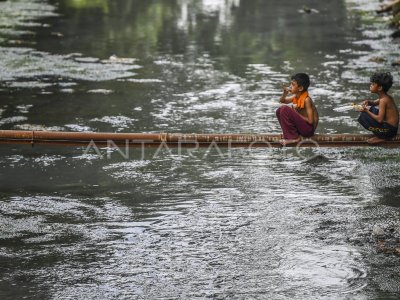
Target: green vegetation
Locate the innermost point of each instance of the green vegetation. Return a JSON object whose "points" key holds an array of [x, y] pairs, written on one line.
{"points": [[84, 4]]}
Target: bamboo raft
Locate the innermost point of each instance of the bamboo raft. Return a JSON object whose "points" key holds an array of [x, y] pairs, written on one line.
{"points": [[104, 139]]}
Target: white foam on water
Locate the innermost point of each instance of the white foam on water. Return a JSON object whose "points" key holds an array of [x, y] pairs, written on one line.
{"points": [[76, 127], [68, 91], [24, 109], [143, 80], [38, 127], [101, 91], [120, 122], [11, 120]]}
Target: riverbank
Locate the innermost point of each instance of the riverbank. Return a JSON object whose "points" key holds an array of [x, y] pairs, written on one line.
{"points": [[392, 9]]}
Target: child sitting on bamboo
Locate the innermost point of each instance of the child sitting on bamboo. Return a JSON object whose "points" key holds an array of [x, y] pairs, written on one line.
{"points": [[301, 119], [383, 121]]}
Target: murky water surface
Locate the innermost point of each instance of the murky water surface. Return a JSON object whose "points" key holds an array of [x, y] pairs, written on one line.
{"points": [[208, 223]]}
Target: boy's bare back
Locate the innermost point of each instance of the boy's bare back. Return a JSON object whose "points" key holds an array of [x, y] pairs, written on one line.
{"points": [[391, 110]]}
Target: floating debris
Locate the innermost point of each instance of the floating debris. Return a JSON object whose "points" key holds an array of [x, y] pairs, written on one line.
{"points": [[68, 91], [72, 55], [396, 63], [308, 10], [24, 109], [87, 59], [57, 34], [377, 231], [377, 59], [388, 248], [119, 60], [67, 84], [144, 80], [101, 91]]}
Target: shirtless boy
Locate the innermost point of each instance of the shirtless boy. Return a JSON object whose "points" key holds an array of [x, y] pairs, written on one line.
{"points": [[302, 118], [383, 121]]}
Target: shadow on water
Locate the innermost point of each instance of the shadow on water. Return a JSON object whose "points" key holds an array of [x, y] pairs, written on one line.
{"points": [[390, 196]]}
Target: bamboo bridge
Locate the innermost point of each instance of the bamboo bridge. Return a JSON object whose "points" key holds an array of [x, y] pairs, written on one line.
{"points": [[181, 139]]}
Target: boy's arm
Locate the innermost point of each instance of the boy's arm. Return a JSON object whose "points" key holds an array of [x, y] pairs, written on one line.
{"points": [[374, 102], [371, 102], [310, 111], [380, 117], [284, 98]]}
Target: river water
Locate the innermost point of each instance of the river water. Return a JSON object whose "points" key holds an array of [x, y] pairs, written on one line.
{"points": [[197, 223]]}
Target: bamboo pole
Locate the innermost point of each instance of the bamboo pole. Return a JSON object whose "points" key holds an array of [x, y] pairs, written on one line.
{"points": [[180, 139]]}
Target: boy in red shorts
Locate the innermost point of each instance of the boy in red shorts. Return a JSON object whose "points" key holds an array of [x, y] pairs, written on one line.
{"points": [[302, 118]]}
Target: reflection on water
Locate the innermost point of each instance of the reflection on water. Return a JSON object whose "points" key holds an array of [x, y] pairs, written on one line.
{"points": [[202, 223], [220, 8], [19, 14]]}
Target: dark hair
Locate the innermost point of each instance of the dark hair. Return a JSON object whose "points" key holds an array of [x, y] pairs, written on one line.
{"points": [[302, 79], [385, 80]]}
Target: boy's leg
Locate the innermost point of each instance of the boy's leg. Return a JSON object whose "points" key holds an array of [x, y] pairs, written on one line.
{"points": [[366, 120], [278, 114], [385, 133], [380, 130], [301, 126], [293, 125], [287, 123]]}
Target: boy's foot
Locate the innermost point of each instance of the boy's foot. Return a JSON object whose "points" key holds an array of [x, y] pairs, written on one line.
{"points": [[285, 142], [375, 140]]}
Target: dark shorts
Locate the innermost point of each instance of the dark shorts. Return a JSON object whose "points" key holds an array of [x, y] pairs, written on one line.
{"points": [[381, 130]]}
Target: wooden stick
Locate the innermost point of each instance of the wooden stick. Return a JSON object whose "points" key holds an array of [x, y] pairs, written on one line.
{"points": [[180, 139]]}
